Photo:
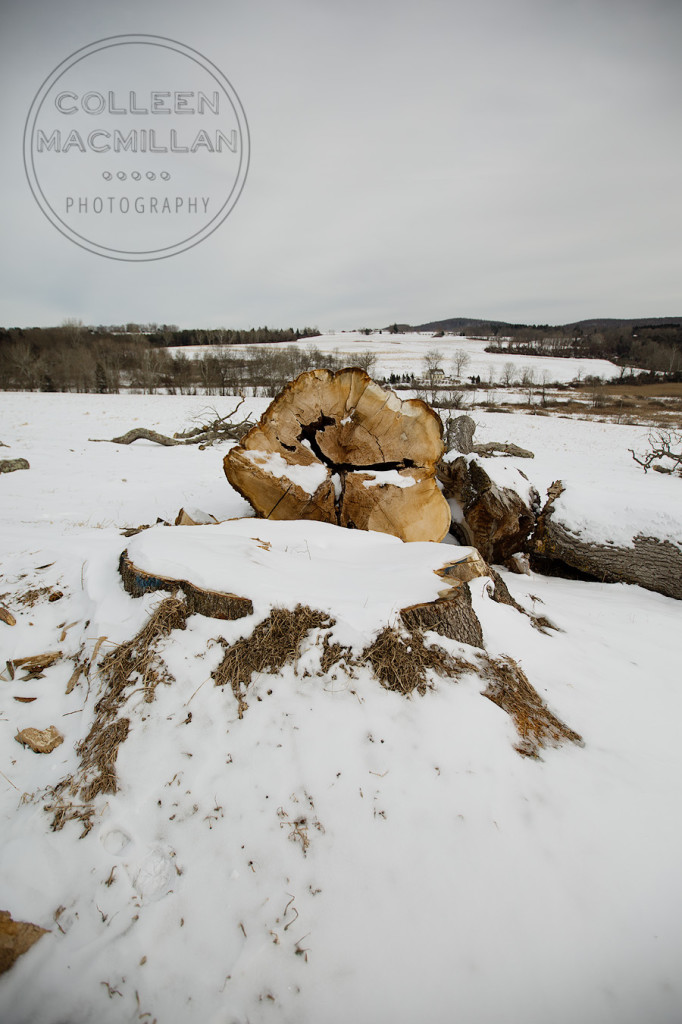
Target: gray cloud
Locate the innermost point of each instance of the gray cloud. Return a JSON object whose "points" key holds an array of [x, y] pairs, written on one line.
{"points": [[515, 159]]}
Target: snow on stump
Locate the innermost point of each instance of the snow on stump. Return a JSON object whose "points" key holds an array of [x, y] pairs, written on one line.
{"points": [[344, 600], [361, 579], [337, 448]]}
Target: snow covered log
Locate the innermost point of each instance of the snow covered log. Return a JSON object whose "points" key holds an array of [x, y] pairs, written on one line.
{"points": [[337, 448], [460, 438], [649, 562]]}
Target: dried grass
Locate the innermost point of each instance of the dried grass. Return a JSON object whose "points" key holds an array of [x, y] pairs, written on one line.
{"points": [[98, 753], [509, 688], [133, 666], [274, 643], [30, 597], [334, 655], [138, 659], [400, 660]]}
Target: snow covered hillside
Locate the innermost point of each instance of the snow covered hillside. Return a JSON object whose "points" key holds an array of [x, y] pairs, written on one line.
{"points": [[340, 852], [404, 353]]}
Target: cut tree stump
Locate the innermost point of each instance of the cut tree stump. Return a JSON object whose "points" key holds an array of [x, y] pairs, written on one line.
{"points": [[452, 616], [650, 563], [281, 563], [215, 604], [337, 448], [357, 598]]}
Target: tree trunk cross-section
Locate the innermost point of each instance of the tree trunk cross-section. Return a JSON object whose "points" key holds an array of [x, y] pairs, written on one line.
{"points": [[337, 448]]}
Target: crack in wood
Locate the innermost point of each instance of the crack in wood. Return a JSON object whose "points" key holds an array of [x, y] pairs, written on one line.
{"points": [[309, 433]]}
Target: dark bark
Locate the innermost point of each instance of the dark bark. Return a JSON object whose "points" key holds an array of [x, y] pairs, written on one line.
{"points": [[202, 602], [452, 616], [650, 563]]}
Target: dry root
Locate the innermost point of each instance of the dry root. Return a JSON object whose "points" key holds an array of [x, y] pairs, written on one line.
{"points": [[401, 661], [138, 659]]}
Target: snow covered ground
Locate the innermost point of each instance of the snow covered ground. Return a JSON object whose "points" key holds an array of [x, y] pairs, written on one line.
{"points": [[404, 353], [445, 878]]}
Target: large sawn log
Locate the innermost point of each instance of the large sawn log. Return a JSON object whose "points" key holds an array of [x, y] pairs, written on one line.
{"points": [[338, 448]]}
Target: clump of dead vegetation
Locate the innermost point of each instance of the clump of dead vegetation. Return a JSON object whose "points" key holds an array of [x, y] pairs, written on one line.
{"points": [[401, 660], [509, 688], [133, 667], [275, 642], [29, 598], [336, 655]]}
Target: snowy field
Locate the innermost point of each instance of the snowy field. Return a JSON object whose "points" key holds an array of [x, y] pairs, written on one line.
{"points": [[445, 878], [404, 353]]}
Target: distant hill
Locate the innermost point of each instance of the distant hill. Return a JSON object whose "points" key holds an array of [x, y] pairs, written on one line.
{"points": [[460, 323], [651, 343]]}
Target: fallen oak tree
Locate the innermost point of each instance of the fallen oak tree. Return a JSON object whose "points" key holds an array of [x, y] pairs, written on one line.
{"points": [[495, 519], [503, 522]]}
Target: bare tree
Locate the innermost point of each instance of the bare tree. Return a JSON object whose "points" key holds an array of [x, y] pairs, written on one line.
{"points": [[73, 329], [508, 374], [366, 361], [27, 369], [452, 399], [460, 361], [432, 361]]}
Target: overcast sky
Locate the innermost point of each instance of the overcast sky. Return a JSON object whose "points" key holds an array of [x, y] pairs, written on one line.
{"points": [[513, 159]]}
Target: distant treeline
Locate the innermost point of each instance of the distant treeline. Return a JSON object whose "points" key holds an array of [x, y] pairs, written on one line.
{"points": [[652, 347], [76, 358], [173, 337]]}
